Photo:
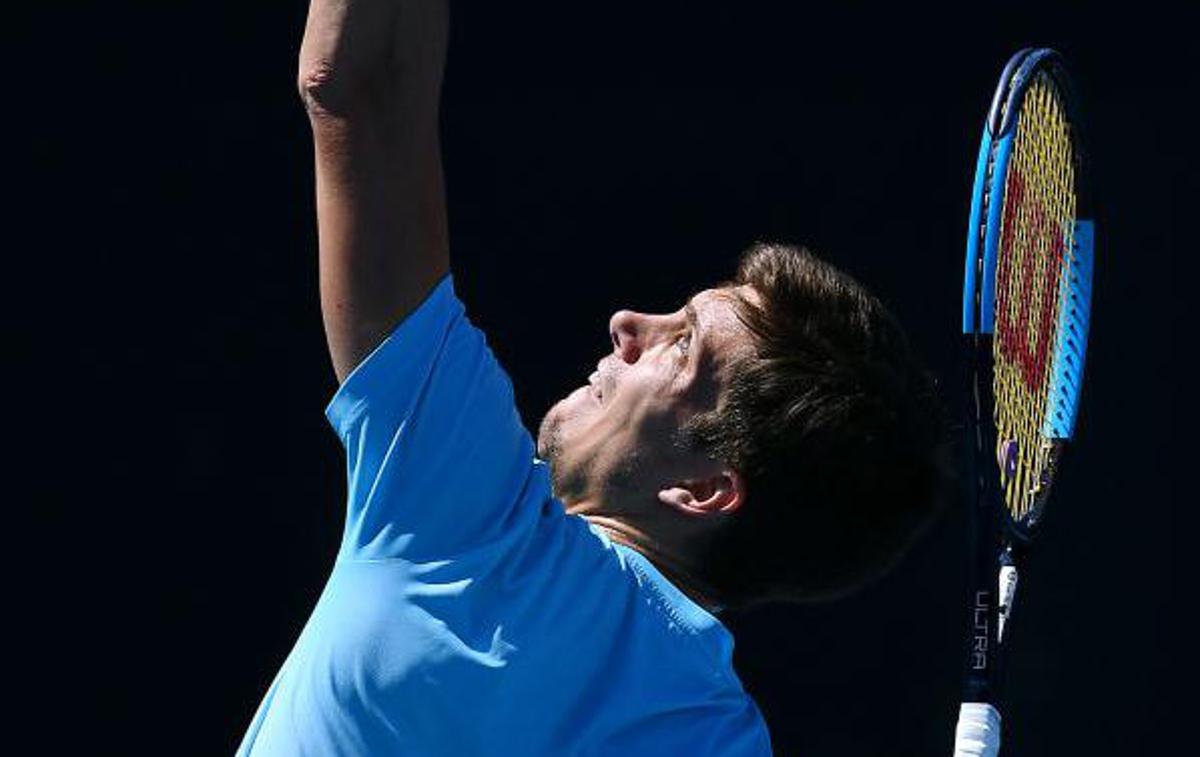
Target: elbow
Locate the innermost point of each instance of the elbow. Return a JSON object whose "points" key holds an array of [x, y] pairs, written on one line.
{"points": [[323, 91], [332, 93]]}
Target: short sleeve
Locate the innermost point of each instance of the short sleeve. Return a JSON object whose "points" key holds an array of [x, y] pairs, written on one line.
{"points": [[438, 461]]}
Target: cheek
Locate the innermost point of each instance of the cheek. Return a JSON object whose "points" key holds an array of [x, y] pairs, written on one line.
{"points": [[642, 399]]}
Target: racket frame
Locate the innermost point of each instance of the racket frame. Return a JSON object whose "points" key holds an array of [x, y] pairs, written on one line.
{"points": [[1000, 544]]}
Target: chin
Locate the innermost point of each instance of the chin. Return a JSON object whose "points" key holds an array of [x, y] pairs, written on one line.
{"points": [[564, 421], [565, 415], [550, 432], [547, 441]]}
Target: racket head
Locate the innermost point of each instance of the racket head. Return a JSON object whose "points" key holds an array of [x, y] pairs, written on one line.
{"points": [[1027, 284]]}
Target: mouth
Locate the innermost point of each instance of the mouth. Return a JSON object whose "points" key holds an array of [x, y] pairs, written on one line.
{"points": [[594, 383]]}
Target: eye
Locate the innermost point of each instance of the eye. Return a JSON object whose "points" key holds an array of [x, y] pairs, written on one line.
{"points": [[684, 343]]}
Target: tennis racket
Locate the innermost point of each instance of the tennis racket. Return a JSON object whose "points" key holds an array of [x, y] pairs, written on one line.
{"points": [[1026, 307]]}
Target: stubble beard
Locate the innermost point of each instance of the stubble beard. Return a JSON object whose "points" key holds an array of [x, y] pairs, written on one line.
{"points": [[564, 486], [578, 477]]}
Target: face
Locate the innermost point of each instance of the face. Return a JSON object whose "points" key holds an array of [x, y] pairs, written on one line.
{"points": [[610, 442]]}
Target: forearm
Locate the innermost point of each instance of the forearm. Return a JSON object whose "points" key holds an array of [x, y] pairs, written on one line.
{"points": [[370, 77]]}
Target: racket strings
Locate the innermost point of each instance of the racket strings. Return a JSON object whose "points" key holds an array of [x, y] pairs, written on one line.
{"points": [[1037, 228]]}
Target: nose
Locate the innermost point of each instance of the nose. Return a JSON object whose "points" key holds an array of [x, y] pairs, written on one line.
{"points": [[633, 333], [627, 330]]}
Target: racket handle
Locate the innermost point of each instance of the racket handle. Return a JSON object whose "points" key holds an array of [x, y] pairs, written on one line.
{"points": [[978, 731]]}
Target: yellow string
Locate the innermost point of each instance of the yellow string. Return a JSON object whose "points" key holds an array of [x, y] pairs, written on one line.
{"points": [[1032, 219]]}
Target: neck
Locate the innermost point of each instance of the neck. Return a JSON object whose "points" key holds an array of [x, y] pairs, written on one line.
{"points": [[668, 560]]}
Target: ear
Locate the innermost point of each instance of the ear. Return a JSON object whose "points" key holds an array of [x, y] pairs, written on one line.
{"points": [[719, 494]]}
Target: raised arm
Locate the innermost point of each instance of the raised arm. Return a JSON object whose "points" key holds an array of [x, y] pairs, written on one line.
{"points": [[370, 75]]}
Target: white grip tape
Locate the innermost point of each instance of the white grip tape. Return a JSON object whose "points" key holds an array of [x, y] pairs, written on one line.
{"points": [[978, 731]]}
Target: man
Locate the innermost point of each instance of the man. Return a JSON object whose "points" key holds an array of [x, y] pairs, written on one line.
{"points": [[771, 439]]}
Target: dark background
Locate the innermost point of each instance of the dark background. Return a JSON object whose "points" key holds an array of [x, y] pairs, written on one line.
{"points": [[179, 494]]}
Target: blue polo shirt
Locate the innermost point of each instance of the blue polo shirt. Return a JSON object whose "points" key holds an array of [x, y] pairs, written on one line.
{"points": [[467, 613]]}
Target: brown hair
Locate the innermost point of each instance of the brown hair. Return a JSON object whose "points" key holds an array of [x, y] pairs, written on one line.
{"points": [[836, 430]]}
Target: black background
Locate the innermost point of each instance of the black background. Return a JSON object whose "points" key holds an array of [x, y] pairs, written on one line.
{"points": [[177, 489]]}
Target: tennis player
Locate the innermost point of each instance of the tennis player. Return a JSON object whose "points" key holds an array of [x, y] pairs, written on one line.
{"points": [[771, 440]]}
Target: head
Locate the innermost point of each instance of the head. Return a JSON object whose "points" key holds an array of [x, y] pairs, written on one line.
{"points": [[772, 439]]}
